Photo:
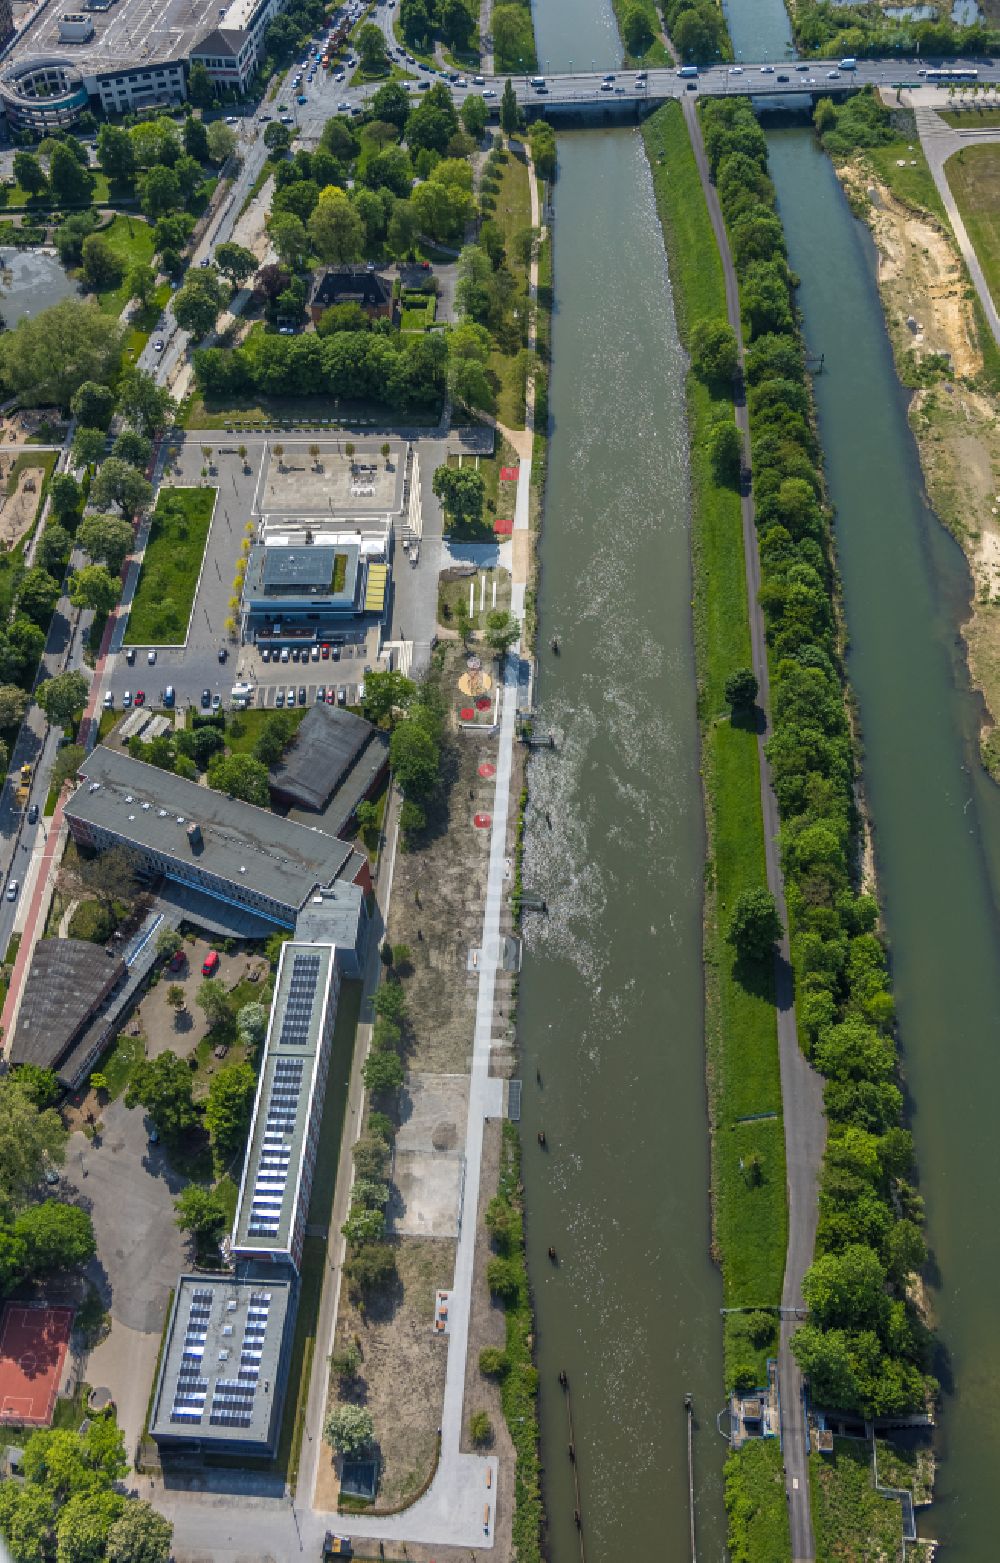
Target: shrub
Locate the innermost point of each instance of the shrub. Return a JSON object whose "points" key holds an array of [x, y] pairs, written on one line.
{"points": [[504, 1279], [493, 1362], [480, 1429]]}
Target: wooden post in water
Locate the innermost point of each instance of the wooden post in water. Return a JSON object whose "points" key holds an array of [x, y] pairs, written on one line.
{"points": [[689, 1408], [578, 1511]]}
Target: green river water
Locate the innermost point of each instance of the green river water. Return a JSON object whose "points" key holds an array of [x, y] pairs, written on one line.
{"points": [[611, 989]]}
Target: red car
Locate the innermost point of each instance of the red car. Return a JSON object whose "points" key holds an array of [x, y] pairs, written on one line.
{"points": [[210, 964], [140, 697], [177, 960], [325, 652]]}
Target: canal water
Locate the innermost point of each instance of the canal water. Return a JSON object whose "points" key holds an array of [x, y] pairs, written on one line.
{"points": [[30, 281], [611, 990], [936, 814]]}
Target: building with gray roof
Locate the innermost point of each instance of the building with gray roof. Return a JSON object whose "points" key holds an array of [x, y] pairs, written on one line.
{"points": [[333, 752], [224, 1364], [234, 851], [284, 1131], [67, 983]]}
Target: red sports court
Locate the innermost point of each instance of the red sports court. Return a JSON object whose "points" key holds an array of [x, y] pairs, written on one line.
{"points": [[33, 1345]]}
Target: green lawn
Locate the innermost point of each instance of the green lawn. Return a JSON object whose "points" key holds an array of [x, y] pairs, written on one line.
{"points": [[288, 412], [511, 213], [165, 593], [851, 1521], [15, 196], [243, 727], [119, 1062], [518, 55], [755, 1502], [455, 594], [131, 238], [418, 312], [914, 186], [974, 177], [741, 1032], [971, 118]]}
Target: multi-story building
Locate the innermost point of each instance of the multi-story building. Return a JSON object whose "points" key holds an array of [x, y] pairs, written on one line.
{"points": [[233, 851]]}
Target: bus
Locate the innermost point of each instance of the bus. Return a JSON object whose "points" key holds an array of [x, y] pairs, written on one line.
{"points": [[953, 74]]}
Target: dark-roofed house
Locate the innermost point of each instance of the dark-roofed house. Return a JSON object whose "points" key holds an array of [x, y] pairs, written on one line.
{"points": [[234, 851], [228, 56], [336, 759], [352, 285], [67, 982]]}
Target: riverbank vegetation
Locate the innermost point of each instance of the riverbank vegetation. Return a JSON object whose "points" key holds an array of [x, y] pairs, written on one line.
{"points": [[865, 1347], [748, 1155], [513, 30], [870, 30]]}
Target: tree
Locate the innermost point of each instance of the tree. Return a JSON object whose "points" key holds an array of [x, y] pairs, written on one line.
{"points": [[41, 1086], [29, 173], [71, 234], [349, 1429], [387, 696], [741, 690], [503, 630], [195, 135], [55, 1236], [493, 1362], [510, 113], [754, 927], [94, 587], [714, 351], [133, 447], [163, 1088], [197, 305], [335, 227], [201, 88], [695, 34], [175, 996], [221, 141], [637, 31], [68, 762], [199, 1211], [237, 262], [725, 451], [47, 356], [289, 237], [66, 495], [140, 1534], [227, 1111], [543, 149], [37, 595], [110, 875], [276, 733], [106, 538], [212, 998], [474, 116], [251, 1024], [88, 446], [53, 549], [241, 776], [63, 696], [118, 483], [415, 760], [93, 404], [383, 1072], [403, 228], [480, 1429], [140, 283], [363, 1226], [68, 178], [147, 406], [277, 138], [102, 266], [462, 491], [159, 191], [115, 154], [369, 1268], [371, 48], [168, 941], [83, 1523], [29, 1141]]}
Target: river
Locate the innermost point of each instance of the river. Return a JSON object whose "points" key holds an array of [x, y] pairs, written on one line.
{"points": [[611, 991]]}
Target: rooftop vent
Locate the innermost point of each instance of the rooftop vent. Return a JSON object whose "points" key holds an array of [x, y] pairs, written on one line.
{"points": [[129, 798], [146, 807], [231, 1305], [180, 819], [161, 813]]}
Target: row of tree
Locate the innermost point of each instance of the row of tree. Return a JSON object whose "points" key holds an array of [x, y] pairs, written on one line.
{"points": [[367, 366], [865, 1346]]}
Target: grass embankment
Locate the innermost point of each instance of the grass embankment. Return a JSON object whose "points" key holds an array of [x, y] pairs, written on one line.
{"points": [[755, 1504], [513, 38], [974, 177], [750, 1220], [510, 209], [165, 594], [851, 1519], [519, 1384], [656, 53], [971, 118]]}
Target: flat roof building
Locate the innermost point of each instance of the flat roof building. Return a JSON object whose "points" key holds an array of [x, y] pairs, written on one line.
{"points": [[335, 756], [284, 1132], [304, 580], [235, 851], [225, 1362]]}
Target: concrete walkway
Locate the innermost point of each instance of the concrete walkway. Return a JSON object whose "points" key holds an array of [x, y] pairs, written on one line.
{"points": [[940, 142], [801, 1086]]}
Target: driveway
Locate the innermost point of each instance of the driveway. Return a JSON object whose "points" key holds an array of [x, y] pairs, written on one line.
{"points": [[129, 1190]]}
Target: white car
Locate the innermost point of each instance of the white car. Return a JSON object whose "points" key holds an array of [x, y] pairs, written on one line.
{"points": [[489, 93], [127, 698], [158, 345], [109, 701], [736, 70], [12, 890], [151, 658]]}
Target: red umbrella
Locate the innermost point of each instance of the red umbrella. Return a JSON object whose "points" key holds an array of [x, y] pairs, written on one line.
{"points": [[467, 714], [482, 822], [486, 769]]}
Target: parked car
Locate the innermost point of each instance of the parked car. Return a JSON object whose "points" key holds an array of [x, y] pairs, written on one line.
{"points": [[33, 814], [130, 656], [140, 697], [127, 698], [151, 658], [223, 653], [279, 696], [109, 701], [284, 653], [210, 964], [216, 702], [169, 696], [321, 695], [342, 696], [176, 960], [265, 654], [315, 653], [158, 345], [12, 890], [206, 699], [302, 694], [324, 651]]}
